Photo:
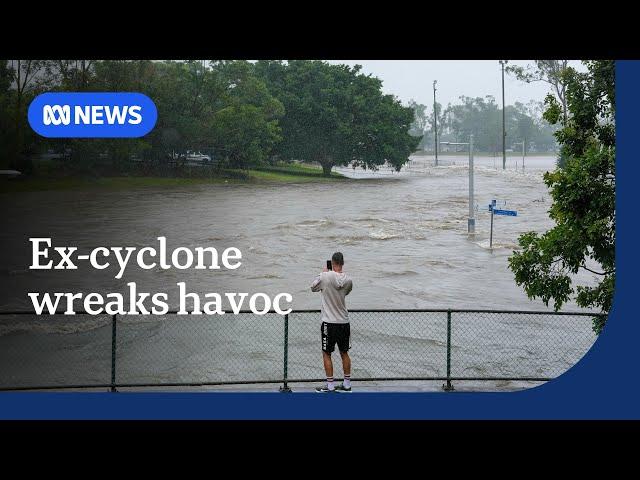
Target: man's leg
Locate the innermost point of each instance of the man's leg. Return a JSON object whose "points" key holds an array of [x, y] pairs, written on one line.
{"points": [[346, 363], [344, 344], [328, 364], [327, 349], [346, 368]]}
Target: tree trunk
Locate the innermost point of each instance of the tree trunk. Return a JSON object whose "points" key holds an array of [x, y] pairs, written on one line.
{"points": [[326, 169], [18, 147]]}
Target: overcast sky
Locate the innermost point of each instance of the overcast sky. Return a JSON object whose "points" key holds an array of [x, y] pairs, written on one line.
{"points": [[413, 79]]}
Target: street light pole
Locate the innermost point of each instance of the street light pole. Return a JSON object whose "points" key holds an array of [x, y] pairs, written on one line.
{"points": [[504, 132], [435, 121]]}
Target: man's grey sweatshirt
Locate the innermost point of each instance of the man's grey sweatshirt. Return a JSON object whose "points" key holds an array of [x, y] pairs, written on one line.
{"points": [[334, 287]]}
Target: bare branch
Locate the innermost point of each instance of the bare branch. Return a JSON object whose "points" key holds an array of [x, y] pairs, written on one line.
{"points": [[597, 273]]}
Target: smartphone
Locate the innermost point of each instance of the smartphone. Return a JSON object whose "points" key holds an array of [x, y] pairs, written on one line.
{"points": [[329, 265]]}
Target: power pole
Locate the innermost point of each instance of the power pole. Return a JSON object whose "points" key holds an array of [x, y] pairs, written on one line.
{"points": [[504, 131], [435, 121]]}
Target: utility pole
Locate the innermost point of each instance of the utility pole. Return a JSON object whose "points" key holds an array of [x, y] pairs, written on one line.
{"points": [[435, 121], [492, 207], [504, 131]]}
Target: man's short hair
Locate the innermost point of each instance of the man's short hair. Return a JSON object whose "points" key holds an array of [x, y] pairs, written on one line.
{"points": [[337, 258]]}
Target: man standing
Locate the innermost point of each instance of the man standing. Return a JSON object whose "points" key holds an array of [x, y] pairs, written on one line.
{"points": [[335, 285]]}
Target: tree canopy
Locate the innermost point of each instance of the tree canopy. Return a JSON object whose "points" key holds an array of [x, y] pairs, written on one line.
{"points": [[247, 113], [583, 194], [334, 115], [482, 117], [549, 71]]}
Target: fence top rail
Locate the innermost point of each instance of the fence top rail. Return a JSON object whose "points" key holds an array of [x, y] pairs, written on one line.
{"points": [[355, 310]]}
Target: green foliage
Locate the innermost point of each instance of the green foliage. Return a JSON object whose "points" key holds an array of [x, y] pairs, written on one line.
{"points": [[583, 193], [245, 114], [482, 117], [246, 125], [5, 105], [5, 77], [334, 115], [421, 119], [423, 125], [549, 71], [20, 81]]}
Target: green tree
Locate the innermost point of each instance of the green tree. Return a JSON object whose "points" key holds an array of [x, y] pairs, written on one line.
{"points": [[186, 95], [583, 194], [219, 106], [420, 123], [548, 71], [6, 76], [543, 132], [334, 115], [524, 126], [26, 81], [423, 125], [96, 155], [480, 117], [214, 105], [551, 72], [74, 75], [483, 118], [245, 125]]}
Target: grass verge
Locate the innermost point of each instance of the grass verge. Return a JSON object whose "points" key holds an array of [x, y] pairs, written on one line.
{"points": [[263, 175]]}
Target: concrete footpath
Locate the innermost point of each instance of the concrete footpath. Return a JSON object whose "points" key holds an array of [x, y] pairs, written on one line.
{"points": [[357, 387], [360, 387]]}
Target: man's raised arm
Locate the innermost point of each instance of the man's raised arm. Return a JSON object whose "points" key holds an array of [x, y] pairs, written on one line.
{"points": [[348, 287], [316, 286]]}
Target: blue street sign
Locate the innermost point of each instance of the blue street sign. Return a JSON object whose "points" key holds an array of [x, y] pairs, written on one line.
{"points": [[511, 213], [495, 203]]}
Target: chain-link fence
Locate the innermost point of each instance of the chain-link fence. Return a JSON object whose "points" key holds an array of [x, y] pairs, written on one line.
{"points": [[58, 350], [399, 345], [82, 351], [195, 350]]}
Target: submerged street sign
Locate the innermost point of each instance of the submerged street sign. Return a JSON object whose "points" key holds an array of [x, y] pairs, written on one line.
{"points": [[496, 211], [511, 213]]}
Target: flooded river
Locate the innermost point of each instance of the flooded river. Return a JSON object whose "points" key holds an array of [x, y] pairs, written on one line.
{"points": [[403, 235]]}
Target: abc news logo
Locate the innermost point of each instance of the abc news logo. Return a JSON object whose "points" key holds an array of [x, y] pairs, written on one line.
{"points": [[92, 115]]}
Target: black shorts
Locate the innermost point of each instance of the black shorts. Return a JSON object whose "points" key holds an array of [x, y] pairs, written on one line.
{"points": [[333, 333]]}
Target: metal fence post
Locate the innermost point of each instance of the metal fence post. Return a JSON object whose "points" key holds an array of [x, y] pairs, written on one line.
{"points": [[448, 386], [113, 353], [285, 388]]}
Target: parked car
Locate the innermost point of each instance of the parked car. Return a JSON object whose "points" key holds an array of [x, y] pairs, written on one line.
{"points": [[10, 173], [189, 158], [197, 158]]}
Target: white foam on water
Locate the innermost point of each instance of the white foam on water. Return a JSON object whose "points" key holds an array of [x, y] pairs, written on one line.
{"points": [[56, 324], [485, 244]]}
